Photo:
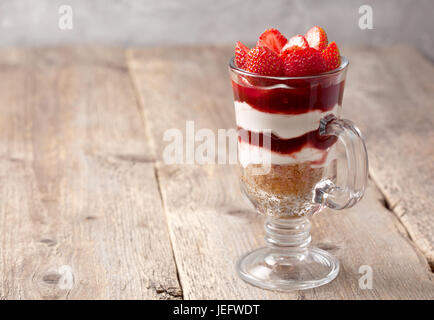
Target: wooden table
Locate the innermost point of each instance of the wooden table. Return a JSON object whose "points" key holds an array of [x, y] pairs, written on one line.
{"points": [[88, 209]]}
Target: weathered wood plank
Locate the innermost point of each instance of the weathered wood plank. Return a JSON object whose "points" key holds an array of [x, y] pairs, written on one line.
{"points": [[78, 196], [192, 90], [211, 225], [390, 92]]}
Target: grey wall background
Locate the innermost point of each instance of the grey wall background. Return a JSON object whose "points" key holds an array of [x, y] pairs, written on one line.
{"points": [[166, 22]]}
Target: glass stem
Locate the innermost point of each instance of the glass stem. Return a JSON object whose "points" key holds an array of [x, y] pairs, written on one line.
{"points": [[292, 235]]}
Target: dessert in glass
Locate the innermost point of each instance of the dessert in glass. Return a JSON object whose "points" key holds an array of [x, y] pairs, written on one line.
{"points": [[288, 99]]}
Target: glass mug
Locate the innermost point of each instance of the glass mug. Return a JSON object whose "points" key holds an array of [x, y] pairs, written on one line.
{"points": [[288, 132]]}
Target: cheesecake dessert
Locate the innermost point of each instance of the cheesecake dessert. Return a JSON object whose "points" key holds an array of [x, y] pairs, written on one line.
{"points": [[282, 90]]}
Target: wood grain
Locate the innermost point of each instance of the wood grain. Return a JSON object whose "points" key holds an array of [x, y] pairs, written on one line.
{"points": [[211, 225], [390, 93], [78, 192], [172, 91]]}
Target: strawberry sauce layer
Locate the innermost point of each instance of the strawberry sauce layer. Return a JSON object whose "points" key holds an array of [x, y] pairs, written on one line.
{"points": [[290, 100], [287, 146]]}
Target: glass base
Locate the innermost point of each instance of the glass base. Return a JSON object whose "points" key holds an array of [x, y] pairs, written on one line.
{"points": [[275, 269]]}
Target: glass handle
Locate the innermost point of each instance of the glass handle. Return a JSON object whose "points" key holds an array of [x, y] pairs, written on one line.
{"points": [[326, 191]]}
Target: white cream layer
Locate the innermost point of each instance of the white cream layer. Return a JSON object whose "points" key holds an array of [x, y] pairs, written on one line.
{"points": [[285, 126], [250, 154]]}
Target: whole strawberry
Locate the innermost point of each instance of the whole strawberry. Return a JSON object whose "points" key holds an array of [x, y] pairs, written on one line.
{"points": [[331, 56], [302, 62], [263, 61]]}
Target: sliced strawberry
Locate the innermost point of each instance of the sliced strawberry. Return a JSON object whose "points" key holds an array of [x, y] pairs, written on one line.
{"points": [[317, 38], [263, 61], [241, 52], [303, 62], [297, 40], [331, 56], [285, 53], [273, 39]]}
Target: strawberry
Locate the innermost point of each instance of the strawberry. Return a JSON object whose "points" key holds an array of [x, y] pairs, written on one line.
{"points": [[241, 52], [263, 61], [273, 39], [285, 53], [331, 56], [317, 38], [297, 40], [303, 62]]}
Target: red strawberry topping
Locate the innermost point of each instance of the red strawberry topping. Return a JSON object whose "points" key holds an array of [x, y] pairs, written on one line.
{"points": [[263, 61], [274, 55], [285, 53], [317, 38], [303, 62], [241, 52], [273, 39], [331, 56], [297, 40]]}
